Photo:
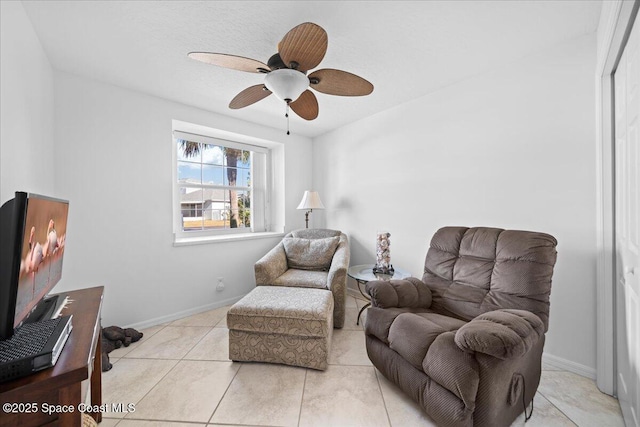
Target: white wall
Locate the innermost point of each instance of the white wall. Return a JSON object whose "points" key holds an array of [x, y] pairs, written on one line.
{"points": [[26, 107], [114, 163], [112, 160], [512, 148]]}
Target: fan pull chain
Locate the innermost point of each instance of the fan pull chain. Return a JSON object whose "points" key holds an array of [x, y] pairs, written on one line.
{"points": [[286, 114]]}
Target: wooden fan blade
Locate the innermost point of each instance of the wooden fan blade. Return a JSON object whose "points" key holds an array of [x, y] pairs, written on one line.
{"points": [[305, 45], [249, 96], [337, 82], [306, 106], [233, 62]]}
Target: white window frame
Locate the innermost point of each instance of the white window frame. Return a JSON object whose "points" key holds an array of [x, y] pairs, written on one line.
{"points": [[261, 186]]}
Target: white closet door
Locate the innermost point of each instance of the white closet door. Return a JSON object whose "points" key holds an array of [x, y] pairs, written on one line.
{"points": [[627, 195]]}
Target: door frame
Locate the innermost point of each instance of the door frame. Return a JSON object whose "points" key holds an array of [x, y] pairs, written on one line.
{"points": [[616, 21]]}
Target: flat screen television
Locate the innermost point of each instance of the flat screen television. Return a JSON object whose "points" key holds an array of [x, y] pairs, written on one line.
{"points": [[33, 231]]}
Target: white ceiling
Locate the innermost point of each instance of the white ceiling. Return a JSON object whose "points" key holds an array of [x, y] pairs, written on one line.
{"points": [[406, 49]]}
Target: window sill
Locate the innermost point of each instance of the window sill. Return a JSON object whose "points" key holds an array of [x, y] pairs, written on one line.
{"points": [[203, 240]]}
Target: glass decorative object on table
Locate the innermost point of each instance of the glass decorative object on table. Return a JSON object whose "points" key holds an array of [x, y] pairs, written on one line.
{"points": [[383, 253]]}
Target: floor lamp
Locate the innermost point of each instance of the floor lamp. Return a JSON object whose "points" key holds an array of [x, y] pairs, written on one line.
{"points": [[310, 201]]}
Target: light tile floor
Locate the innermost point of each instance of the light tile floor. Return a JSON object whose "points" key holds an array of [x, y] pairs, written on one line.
{"points": [[179, 375]]}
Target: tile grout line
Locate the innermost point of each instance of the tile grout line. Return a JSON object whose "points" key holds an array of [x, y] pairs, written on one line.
{"points": [[211, 329], [224, 394], [555, 406], [184, 357], [154, 386], [190, 350], [384, 402], [236, 424], [304, 386], [234, 376], [139, 341], [197, 423], [196, 344], [177, 362], [181, 358]]}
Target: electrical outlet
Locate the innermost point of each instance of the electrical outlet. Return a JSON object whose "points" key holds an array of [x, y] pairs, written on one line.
{"points": [[220, 285]]}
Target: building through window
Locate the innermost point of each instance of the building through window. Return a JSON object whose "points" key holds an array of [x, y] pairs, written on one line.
{"points": [[215, 181]]}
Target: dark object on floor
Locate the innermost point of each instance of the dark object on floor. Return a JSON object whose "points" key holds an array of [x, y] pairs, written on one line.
{"points": [[115, 337], [466, 341]]}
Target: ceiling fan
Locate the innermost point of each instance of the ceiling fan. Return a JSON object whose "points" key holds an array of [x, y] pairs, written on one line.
{"points": [[299, 51]]}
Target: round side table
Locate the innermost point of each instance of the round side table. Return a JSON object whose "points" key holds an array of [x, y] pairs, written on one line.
{"points": [[364, 273]]}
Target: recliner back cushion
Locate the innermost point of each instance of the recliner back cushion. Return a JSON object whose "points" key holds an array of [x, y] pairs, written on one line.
{"points": [[474, 270]]}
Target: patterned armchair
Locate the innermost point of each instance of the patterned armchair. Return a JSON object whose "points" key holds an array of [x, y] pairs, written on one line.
{"points": [[309, 258]]}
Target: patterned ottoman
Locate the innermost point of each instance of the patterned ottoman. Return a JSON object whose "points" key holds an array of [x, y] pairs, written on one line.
{"points": [[278, 324]]}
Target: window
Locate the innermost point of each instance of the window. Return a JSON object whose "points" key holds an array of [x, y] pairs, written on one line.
{"points": [[220, 186]]}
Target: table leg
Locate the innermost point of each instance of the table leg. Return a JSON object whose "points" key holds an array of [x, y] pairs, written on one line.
{"points": [[361, 310], [70, 396], [96, 380], [360, 284]]}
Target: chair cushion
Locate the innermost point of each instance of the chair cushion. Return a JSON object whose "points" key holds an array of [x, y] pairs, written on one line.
{"points": [[302, 279], [411, 334], [310, 254], [284, 311]]}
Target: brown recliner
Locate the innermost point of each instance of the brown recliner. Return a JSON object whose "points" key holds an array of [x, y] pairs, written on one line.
{"points": [[466, 341]]}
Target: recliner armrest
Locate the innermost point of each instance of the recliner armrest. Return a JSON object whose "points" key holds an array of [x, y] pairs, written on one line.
{"points": [[505, 334], [409, 292], [271, 266]]}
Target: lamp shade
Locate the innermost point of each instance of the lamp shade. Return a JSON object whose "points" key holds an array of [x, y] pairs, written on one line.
{"points": [[311, 200], [286, 84]]}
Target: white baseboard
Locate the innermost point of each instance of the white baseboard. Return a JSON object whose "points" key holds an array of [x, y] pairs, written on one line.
{"points": [[550, 359], [180, 314], [568, 365]]}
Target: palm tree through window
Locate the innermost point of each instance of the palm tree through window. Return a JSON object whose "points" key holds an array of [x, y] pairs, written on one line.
{"points": [[215, 186]]}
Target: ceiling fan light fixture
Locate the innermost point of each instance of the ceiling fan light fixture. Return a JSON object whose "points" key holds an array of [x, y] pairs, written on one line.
{"points": [[300, 51], [286, 84]]}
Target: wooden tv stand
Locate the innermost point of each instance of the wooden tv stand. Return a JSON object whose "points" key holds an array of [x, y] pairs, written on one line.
{"points": [[61, 387]]}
